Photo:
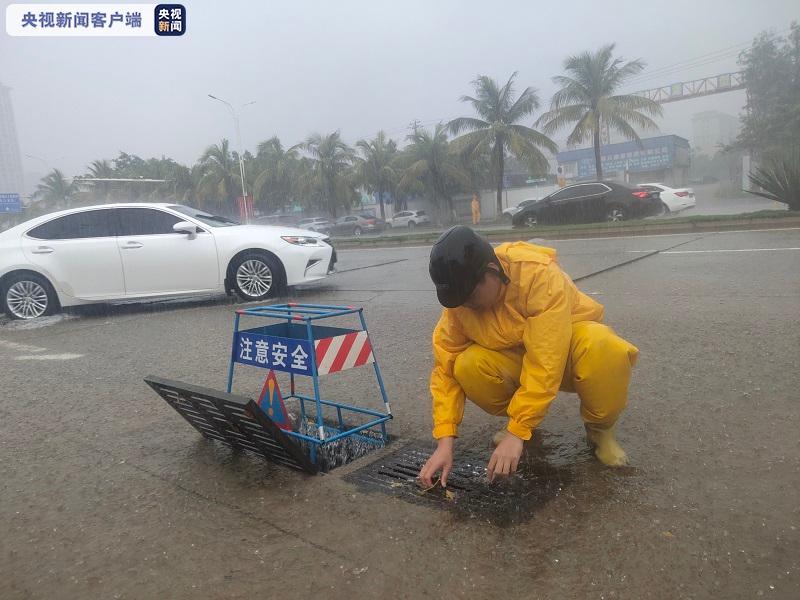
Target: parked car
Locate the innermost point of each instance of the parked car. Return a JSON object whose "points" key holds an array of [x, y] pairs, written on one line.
{"points": [[319, 224], [409, 219], [358, 224], [285, 220], [508, 213], [673, 199], [590, 202], [132, 251]]}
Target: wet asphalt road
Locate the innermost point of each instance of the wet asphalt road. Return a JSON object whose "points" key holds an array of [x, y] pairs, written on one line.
{"points": [[106, 493]]}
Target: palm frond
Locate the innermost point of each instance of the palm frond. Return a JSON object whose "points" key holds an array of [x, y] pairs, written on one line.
{"points": [[584, 129], [779, 179], [459, 124], [553, 120], [534, 137]]}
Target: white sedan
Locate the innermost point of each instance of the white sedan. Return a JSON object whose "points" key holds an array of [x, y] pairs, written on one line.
{"points": [[408, 218], [673, 199], [134, 251]]}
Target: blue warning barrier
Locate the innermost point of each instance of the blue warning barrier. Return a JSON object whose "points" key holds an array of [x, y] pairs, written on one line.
{"points": [[298, 345]]}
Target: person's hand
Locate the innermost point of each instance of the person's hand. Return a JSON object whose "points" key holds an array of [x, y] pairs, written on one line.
{"points": [[441, 459], [505, 458]]}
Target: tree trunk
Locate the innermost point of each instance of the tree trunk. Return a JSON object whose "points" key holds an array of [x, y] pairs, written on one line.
{"points": [[597, 163], [452, 218], [331, 200], [380, 200], [500, 173]]}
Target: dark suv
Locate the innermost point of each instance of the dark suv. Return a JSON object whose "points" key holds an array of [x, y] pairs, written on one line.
{"points": [[590, 202]]}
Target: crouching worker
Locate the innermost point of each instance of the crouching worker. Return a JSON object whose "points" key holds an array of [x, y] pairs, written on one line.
{"points": [[515, 331]]}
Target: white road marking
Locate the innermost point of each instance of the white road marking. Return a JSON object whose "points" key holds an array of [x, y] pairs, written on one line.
{"points": [[20, 347], [711, 251], [658, 235], [65, 356], [719, 251]]}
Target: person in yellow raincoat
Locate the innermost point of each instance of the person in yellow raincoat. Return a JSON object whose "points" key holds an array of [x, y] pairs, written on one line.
{"points": [[476, 209], [515, 330]]}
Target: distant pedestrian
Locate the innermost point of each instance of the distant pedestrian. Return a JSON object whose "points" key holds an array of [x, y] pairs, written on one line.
{"points": [[476, 209]]}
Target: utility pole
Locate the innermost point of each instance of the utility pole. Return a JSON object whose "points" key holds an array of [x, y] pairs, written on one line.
{"points": [[239, 150]]}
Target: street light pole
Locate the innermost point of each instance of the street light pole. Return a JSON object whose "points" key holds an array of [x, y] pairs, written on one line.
{"points": [[41, 160], [238, 140]]}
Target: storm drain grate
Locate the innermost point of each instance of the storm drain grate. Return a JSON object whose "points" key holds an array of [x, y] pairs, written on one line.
{"points": [[504, 502], [233, 420]]}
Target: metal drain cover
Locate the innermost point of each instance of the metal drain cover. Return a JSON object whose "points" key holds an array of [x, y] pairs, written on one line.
{"points": [[504, 502], [233, 420]]}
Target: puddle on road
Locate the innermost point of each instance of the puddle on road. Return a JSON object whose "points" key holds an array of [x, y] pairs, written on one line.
{"points": [[7, 324], [551, 466]]}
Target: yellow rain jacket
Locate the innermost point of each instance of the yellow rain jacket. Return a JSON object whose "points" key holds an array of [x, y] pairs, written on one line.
{"points": [[537, 311]]}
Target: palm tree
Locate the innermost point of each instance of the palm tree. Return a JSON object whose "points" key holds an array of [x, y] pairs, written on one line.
{"points": [[428, 164], [220, 175], [374, 168], [587, 98], [276, 168], [778, 178], [498, 128], [56, 189], [328, 175], [101, 169]]}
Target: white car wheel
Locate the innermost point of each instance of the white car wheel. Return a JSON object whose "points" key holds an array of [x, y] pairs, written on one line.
{"points": [[28, 297], [255, 277]]}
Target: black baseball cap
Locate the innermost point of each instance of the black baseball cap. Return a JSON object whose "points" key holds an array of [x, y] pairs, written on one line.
{"points": [[459, 259]]}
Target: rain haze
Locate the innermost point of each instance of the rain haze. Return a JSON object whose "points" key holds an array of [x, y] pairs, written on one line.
{"points": [[385, 358], [353, 66]]}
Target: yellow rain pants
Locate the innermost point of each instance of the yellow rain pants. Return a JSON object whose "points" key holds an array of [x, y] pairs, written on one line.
{"points": [[544, 335], [476, 212]]}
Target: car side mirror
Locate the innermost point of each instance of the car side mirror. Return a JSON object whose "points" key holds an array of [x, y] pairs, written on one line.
{"points": [[187, 228]]}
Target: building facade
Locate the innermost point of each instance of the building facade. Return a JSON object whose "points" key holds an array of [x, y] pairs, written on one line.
{"points": [[10, 160], [663, 159], [712, 129]]}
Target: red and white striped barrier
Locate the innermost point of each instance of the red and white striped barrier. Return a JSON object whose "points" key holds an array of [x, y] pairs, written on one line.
{"points": [[343, 352]]}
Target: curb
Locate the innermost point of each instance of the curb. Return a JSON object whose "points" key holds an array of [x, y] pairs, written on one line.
{"points": [[570, 233]]}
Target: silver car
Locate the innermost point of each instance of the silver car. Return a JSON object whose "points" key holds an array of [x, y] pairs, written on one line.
{"points": [[318, 224], [409, 219]]}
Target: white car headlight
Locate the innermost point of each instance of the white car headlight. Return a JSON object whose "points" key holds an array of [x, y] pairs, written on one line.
{"points": [[300, 240]]}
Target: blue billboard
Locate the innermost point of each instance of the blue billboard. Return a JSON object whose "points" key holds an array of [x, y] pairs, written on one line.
{"points": [[10, 203], [654, 154]]}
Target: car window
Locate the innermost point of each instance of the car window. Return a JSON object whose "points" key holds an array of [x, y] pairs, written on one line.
{"points": [[650, 188], [351, 219], [593, 188], [204, 217], [84, 224], [421, 213], [569, 192], [146, 221]]}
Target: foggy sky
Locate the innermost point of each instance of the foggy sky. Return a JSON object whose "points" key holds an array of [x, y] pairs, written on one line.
{"points": [[352, 65]]}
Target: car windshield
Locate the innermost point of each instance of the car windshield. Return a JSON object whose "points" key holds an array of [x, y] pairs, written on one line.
{"points": [[207, 218]]}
